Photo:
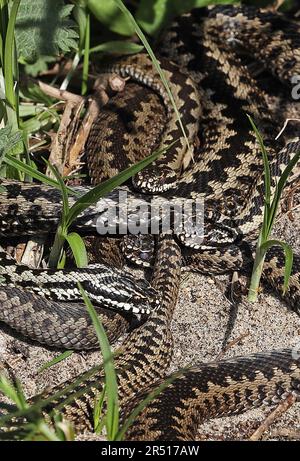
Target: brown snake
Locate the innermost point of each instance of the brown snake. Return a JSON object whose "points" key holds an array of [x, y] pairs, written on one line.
{"points": [[233, 188]]}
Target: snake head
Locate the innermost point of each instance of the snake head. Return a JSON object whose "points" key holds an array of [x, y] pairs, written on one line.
{"points": [[139, 249], [153, 180], [121, 292]]}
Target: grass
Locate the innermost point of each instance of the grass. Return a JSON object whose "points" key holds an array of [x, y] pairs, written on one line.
{"points": [[69, 214], [10, 68], [9, 65], [36, 426], [106, 410], [110, 392], [269, 215], [28, 422], [56, 360], [110, 420]]}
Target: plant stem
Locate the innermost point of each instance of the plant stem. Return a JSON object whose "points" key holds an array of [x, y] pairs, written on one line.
{"points": [[10, 73], [256, 273], [69, 75], [86, 56], [56, 250], [10, 66]]}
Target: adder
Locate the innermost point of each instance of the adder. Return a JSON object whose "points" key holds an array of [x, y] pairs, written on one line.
{"points": [[202, 55]]}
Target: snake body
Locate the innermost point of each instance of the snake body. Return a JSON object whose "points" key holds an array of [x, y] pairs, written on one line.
{"points": [[220, 162]]}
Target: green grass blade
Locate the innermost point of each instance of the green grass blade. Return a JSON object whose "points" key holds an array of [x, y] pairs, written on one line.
{"points": [[117, 47], [78, 249], [14, 393], [56, 257], [15, 163], [56, 360], [76, 60], [46, 432], [112, 416], [63, 428], [288, 252], [9, 56], [146, 44], [61, 264], [280, 186], [76, 388], [63, 189], [21, 396], [265, 160], [99, 418], [80, 15], [86, 56]]}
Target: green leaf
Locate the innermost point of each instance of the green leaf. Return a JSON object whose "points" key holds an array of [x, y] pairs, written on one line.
{"points": [[112, 416], [8, 140], [44, 28], [108, 13], [288, 252], [56, 360], [30, 110], [152, 15], [40, 65], [33, 93], [42, 121], [78, 249]]}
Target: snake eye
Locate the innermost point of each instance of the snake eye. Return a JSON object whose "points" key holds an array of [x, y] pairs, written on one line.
{"points": [[144, 255]]}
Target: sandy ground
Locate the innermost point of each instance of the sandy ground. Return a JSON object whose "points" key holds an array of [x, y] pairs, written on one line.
{"points": [[204, 321]]}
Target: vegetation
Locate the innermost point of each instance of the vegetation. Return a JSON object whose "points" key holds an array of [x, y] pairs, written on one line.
{"points": [[59, 41], [270, 210]]}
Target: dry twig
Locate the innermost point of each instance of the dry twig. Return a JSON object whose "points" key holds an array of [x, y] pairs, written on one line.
{"points": [[232, 344], [279, 411]]}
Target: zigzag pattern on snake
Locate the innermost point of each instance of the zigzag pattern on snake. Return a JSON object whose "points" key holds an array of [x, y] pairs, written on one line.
{"points": [[223, 164]]}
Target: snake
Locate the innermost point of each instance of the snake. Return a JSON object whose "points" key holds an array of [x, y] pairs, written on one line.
{"points": [[219, 160]]}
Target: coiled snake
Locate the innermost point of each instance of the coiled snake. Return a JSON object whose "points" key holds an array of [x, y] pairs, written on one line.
{"points": [[221, 163]]}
